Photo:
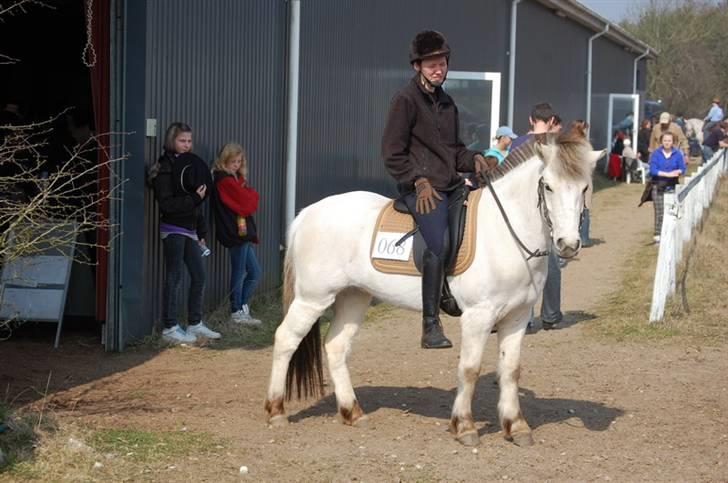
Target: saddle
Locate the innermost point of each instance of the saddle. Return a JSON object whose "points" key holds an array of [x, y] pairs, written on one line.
{"points": [[395, 250]]}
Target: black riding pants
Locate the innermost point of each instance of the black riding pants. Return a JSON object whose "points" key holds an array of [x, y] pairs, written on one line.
{"points": [[433, 225]]}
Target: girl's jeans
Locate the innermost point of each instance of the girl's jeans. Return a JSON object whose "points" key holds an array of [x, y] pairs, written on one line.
{"points": [[182, 250], [244, 275]]}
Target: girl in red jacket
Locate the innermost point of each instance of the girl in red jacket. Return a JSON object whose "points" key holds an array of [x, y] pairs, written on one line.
{"points": [[234, 205]]}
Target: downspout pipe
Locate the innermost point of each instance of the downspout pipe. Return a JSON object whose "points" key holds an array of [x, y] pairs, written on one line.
{"points": [[294, 44], [512, 61], [589, 56], [634, 70]]}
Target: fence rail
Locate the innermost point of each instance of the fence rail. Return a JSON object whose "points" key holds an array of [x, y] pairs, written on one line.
{"points": [[683, 211]]}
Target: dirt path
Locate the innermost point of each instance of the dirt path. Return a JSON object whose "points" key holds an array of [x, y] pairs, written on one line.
{"points": [[599, 410]]}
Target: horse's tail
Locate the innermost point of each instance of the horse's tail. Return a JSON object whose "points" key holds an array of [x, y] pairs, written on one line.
{"points": [[305, 370]]}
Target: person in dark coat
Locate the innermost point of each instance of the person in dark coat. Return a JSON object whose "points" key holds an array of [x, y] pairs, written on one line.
{"points": [[181, 182], [422, 150]]}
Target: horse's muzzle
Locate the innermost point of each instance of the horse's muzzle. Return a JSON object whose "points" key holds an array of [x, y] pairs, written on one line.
{"points": [[568, 248]]}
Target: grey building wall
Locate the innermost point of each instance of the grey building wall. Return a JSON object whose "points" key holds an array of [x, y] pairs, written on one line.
{"points": [[354, 57], [551, 64], [219, 67], [612, 74]]}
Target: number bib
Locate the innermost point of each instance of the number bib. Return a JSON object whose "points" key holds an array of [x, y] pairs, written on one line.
{"points": [[385, 246]]}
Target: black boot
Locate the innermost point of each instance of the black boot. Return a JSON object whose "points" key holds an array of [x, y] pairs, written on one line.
{"points": [[432, 276]]}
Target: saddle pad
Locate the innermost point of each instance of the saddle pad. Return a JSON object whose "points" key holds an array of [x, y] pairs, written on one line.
{"points": [[390, 220]]}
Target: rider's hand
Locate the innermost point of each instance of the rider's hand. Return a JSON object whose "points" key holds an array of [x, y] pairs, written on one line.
{"points": [[483, 164], [426, 195]]}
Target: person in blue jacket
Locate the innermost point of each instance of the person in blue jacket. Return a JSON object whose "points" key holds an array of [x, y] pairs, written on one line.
{"points": [[667, 164]]}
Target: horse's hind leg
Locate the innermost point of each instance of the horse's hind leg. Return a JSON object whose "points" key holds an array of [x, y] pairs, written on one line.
{"points": [[510, 337], [349, 309], [301, 316], [475, 326]]}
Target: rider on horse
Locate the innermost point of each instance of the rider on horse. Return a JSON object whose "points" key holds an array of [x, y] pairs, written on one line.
{"points": [[422, 150]]}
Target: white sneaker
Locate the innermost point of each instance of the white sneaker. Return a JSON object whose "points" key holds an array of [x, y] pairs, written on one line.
{"points": [[177, 335], [656, 238], [242, 316], [201, 330]]}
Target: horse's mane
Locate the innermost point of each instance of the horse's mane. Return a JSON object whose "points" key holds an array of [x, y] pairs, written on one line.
{"points": [[569, 159]]}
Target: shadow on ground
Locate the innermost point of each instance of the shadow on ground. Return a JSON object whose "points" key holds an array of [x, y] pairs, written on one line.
{"points": [[437, 403]]}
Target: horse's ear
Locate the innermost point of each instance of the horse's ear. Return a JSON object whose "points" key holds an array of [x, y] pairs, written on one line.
{"points": [[595, 156], [545, 151]]}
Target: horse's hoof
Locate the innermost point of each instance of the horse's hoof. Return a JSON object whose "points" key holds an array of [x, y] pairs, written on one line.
{"points": [[469, 439], [278, 421], [362, 422], [523, 439]]}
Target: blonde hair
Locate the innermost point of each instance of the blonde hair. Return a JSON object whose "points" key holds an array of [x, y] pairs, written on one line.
{"points": [[228, 152]]}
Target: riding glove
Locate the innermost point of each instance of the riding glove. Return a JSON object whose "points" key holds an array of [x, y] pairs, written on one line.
{"points": [[484, 164], [426, 195]]}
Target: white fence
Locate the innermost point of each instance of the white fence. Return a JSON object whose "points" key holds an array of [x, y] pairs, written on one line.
{"points": [[683, 210]]}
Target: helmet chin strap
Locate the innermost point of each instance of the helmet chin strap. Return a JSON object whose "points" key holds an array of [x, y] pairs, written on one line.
{"points": [[425, 80]]}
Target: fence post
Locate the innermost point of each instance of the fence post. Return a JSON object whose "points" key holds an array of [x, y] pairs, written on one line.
{"points": [[666, 259]]}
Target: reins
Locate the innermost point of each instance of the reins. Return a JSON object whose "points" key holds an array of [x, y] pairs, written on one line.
{"points": [[542, 207]]}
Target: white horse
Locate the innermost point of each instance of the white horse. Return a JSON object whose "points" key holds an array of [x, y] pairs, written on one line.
{"points": [[328, 262], [694, 129]]}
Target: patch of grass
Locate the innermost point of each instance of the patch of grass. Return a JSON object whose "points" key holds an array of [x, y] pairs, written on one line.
{"points": [[149, 446], [700, 314], [21, 432]]}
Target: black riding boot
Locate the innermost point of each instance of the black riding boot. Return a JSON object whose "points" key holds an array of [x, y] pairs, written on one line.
{"points": [[432, 277]]}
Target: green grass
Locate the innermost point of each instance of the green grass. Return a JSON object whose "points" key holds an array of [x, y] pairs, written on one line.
{"points": [[700, 315], [150, 446], [21, 432]]}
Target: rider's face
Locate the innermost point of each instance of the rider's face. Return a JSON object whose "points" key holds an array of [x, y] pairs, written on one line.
{"points": [[434, 69]]}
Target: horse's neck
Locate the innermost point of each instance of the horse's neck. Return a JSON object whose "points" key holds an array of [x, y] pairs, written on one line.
{"points": [[518, 193]]}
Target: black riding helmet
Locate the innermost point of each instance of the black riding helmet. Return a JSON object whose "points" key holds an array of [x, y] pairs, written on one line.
{"points": [[428, 43]]}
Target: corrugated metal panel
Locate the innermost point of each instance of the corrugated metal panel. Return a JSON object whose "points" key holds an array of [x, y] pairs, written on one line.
{"points": [[612, 74], [220, 67], [550, 64], [354, 57]]}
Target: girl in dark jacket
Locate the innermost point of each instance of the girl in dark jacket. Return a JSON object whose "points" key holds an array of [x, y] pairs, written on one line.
{"points": [[180, 188], [235, 203]]}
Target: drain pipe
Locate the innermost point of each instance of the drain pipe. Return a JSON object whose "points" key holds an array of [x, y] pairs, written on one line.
{"points": [[512, 62], [634, 70], [589, 73], [294, 34]]}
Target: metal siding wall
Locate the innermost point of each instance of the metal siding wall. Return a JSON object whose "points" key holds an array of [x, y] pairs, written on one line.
{"points": [[354, 57], [219, 65], [550, 65], [612, 75]]}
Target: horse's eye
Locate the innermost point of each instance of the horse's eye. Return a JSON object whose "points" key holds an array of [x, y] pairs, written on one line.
{"points": [[547, 187]]}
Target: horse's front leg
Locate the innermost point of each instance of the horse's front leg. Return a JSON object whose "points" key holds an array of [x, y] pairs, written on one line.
{"points": [[349, 309], [510, 338], [475, 325]]}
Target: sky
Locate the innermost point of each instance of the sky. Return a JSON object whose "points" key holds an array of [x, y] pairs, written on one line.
{"points": [[614, 10]]}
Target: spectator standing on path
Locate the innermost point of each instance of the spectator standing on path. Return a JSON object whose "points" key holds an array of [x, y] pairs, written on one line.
{"points": [[666, 166], [666, 125], [234, 205], [643, 140], [422, 150], [716, 139], [582, 128], [543, 120], [714, 116], [180, 185]]}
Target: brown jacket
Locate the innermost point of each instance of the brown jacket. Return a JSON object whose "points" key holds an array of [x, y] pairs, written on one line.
{"points": [[681, 142], [421, 139]]}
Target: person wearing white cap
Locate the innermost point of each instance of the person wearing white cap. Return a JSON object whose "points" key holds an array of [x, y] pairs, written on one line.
{"points": [[504, 136], [666, 125]]}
